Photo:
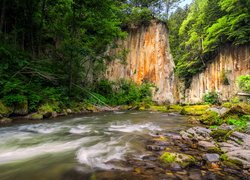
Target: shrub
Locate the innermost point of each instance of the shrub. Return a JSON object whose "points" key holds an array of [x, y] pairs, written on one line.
{"points": [[211, 98], [244, 83]]}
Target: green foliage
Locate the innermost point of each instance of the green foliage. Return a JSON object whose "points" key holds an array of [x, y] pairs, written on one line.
{"points": [[211, 98], [244, 83], [240, 124], [123, 92], [137, 17]]}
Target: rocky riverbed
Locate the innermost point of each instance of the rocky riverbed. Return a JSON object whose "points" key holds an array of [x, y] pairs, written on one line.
{"points": [[197, 153]]}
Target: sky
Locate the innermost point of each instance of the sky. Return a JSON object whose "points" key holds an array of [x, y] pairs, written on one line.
{"points": [[182, 4]]}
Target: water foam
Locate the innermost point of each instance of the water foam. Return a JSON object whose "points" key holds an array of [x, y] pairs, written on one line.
{"points": [[134, 127], [100, 154], [17, 153]]}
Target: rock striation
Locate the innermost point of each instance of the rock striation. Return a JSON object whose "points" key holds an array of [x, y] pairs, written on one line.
{"points": [[146, 59], [220, 75]]}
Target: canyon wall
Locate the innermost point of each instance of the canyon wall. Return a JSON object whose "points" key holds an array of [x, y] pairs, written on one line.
{"points": [[146, 59], [144, 56], [220, 75]]}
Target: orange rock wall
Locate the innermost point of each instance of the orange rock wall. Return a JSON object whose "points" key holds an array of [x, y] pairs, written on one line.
{"points": [[230, 63], [148, 59]]}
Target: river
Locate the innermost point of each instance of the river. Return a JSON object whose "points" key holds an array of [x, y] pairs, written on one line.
{"points": [[79, 146]]}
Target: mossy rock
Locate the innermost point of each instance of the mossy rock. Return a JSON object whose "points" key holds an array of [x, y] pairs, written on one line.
{"points": [[4, 110], [216, 150], [211, 118], [158, 108], [238, 109], [5, 120], [195, 110], [91, 108], [231, 163], [221, 135], [48, 108], [183, 160], [36, 116]]}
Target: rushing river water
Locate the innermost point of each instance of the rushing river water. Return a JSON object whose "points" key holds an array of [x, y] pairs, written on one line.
{"points": [[84, 144]]}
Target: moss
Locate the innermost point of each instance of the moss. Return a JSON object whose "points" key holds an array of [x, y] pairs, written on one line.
{"points": [[183, 160], [195, 110], [125, 107], [227, 105], [167, 157], [238, 109], [221, 135], [142, 108], [4, 110], [175, 108], [36, 116], [48, 108], [158, 108], [211, 118], [216, 150], [233, 163]]}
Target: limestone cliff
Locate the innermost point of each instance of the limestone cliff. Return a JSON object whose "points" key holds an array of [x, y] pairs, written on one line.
{"points": [[220, 75], [148, 59]]}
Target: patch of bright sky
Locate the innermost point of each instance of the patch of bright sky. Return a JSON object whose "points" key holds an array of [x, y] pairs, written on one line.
{"points": [[185, 2]]}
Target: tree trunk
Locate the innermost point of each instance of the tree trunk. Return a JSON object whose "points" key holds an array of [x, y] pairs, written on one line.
{"points": [[2, 16]]}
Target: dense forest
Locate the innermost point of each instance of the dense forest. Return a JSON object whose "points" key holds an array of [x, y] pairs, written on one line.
{"points": [[54, 51]]}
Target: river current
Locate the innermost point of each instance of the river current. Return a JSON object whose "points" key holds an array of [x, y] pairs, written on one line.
{"points": [[52, 149]]}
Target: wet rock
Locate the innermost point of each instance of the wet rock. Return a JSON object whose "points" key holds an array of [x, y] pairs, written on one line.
{"points": [[54, 114], [150, 158], [205, 145], [175, 167], [219, 110], [211, 157], [154, 148], [5, 120], [47, 115], [194, 175], [241, 155], [231, 171]]}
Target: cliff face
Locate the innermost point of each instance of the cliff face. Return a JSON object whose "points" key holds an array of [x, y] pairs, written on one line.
{"points": [[220, 76], [148, 59]]}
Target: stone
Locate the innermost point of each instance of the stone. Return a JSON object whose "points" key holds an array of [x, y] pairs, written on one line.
{"points": [[154, 148], [69, 111], [219, 110], [175, 166], [54, 114], [205, 145], [241, 155], [211, 157], [194, 175], [150, 158], [5, 120]]}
